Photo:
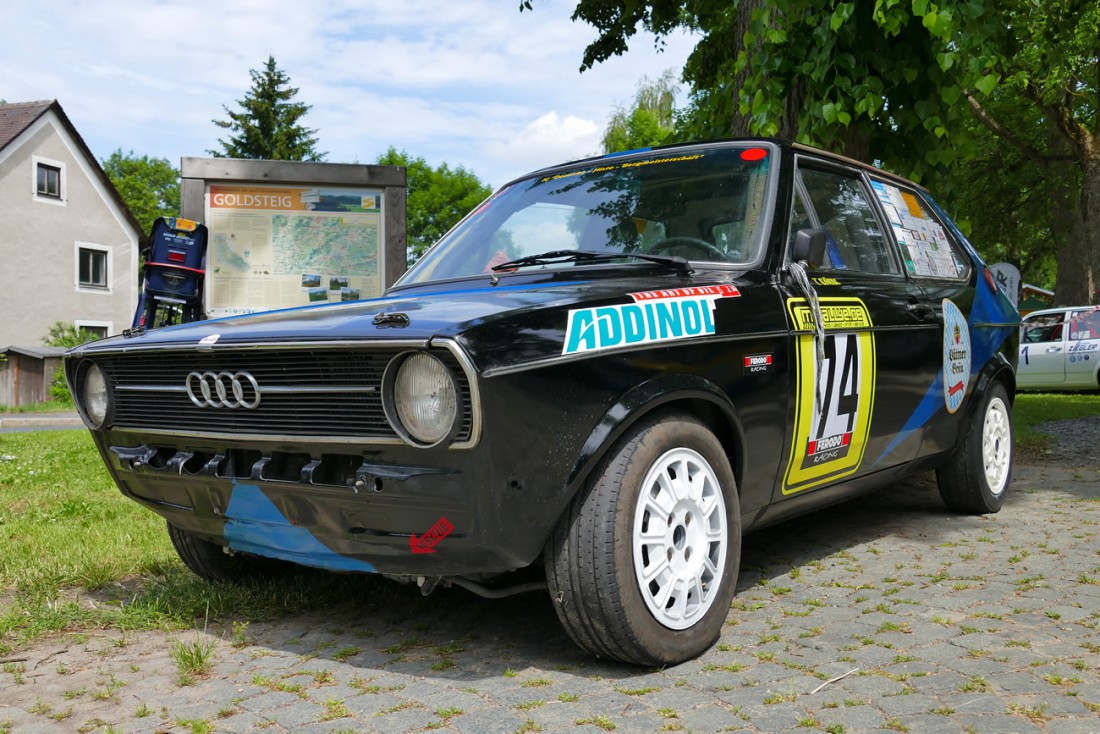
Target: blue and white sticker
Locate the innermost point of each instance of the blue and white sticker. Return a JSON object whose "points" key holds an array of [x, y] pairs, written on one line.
{"points": [[956, 355], [654, 316]]}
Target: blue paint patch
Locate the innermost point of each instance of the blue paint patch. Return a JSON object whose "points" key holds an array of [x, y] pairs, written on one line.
{"points": [[255, 525]]}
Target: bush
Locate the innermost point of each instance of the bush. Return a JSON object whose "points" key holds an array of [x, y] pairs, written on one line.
{"points": [[62, 334]]}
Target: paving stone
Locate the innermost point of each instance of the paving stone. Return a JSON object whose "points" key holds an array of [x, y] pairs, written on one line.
{"points": [[887, 552]]}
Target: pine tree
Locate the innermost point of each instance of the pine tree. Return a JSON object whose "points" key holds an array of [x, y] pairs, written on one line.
{"points": [[266, 127]]}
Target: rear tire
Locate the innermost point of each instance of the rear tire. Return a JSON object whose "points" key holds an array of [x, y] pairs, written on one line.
{"points": [[211, 561], [976, 477], [643, 566]]}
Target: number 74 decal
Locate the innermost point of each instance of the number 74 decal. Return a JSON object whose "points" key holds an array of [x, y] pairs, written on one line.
{"points": [[829, 439]]}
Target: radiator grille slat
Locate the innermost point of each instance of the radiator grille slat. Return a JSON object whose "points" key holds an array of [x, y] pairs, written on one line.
{"points": [[325, 392]]}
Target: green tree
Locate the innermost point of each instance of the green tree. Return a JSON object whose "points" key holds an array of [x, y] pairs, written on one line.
{"points": [[267, 125], [649, 121], [895, 81], [149, 186], [437, 198]]}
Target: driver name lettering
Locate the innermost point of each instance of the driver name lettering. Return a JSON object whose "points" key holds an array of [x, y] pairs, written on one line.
{"points": [[653, 318]]}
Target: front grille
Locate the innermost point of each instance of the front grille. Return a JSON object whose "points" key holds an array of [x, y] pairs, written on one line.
{"points": [[304, 391]]}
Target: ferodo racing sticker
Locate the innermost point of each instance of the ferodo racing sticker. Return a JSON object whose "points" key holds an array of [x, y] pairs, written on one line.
{"points": [[654, 316], [829, 439]]}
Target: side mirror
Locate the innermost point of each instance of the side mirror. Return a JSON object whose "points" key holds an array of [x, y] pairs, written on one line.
{"points": [[809, 245]]}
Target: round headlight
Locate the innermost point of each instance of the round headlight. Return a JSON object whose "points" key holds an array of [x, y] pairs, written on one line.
{"points": [[424, 399], [93, 395]]}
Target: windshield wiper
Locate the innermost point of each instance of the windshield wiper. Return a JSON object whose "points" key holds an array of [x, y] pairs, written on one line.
{"points": [[679, 264]]}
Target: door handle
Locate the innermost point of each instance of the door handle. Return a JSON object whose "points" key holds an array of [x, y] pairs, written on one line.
{"points": [[1052, 350], [921, 310]]}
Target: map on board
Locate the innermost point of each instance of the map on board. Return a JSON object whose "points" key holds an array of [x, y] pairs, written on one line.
{"points": [[323, 244]]}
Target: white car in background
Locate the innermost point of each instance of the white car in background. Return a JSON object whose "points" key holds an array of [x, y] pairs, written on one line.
{"points": [[1060, 349]]}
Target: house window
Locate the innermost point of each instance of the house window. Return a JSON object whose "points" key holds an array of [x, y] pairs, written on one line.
{"points": [[49, 181], [92, 268], [93, 329]]}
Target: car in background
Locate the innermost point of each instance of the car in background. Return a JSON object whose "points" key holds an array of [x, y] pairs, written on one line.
{"points": [[1060, 349], [605, 374]]}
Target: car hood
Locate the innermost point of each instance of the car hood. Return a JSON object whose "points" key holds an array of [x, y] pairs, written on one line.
{"points": [[501, 324]]}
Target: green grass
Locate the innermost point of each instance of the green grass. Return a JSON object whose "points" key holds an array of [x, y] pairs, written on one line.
{"points": [[67, 534], [50, 406], [1030, 409]]}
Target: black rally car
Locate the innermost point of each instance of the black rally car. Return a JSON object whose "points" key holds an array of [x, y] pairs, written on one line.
{"points": [[610, 371]]}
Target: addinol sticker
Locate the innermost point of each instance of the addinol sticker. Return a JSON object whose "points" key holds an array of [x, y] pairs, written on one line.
{"points": [[654, 316], [956, 355]]}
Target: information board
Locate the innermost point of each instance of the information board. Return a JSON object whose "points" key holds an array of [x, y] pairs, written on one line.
{"points": [[282, 246]]}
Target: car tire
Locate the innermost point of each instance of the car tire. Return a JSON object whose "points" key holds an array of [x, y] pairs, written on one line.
{"points": [[211, 562], [976, 476], [631, 585]]}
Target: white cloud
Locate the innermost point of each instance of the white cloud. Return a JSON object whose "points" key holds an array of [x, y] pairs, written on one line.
{"points": [[548, 140], [476, 83]]}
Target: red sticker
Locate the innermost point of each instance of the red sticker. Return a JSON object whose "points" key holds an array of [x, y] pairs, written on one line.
{"points": [[427, 542]]}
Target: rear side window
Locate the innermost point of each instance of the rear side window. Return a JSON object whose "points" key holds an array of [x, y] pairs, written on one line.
{"points": [[1084, 324], [925, 247]]}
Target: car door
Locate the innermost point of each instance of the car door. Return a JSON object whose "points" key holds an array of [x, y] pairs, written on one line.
{"points": [[881, 347], [1082, 348], [939, 264], [1042, 351]]}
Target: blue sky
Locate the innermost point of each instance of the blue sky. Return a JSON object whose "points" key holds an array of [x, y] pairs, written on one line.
{"points": [[472, 83]]}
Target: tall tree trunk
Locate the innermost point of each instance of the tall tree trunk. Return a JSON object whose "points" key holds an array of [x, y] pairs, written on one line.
{"points": [[795, 94], [1090, 205]]}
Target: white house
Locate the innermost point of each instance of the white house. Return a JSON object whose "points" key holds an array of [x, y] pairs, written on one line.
{"points": [[68, 243]]}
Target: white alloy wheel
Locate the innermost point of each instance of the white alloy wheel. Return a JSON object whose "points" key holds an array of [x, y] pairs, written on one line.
{"points": [[997, 445], [974, 478], [679, 538]]}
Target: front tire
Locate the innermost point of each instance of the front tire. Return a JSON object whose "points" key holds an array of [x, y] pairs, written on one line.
{"points": [[643, 566], [976, 477], [211, 562]]}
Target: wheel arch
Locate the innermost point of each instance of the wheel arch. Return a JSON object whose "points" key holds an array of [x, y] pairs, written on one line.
{"points": [[690, 394], [997, 369]]}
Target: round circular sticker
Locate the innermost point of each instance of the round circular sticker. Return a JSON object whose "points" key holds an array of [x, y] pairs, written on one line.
{"points": [[956, 355]]}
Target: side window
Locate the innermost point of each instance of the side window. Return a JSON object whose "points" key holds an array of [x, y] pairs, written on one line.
{"points": [[1042, 329], [1084, 324], [853, 238], [925, 247]]}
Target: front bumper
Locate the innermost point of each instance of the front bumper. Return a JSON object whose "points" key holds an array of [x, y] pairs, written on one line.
{"points": [[331, 506]]}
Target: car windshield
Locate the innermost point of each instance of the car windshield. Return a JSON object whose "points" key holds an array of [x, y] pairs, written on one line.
{"points": [[705, 203]]}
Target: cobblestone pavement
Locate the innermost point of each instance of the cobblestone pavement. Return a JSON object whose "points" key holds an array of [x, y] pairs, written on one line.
{"points": [[884, 614]]}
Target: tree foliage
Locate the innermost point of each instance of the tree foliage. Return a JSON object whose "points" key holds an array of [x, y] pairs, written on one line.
{"points": [[649, 121], [437, 198], [149, 186], [902, 82], [267, 124]]}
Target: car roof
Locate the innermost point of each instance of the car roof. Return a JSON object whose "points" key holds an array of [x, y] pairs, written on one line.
{"points": [[1060, 309], [782, 143]]}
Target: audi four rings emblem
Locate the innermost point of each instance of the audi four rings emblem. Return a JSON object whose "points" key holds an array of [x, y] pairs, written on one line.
{"points": [[223, 389]]}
